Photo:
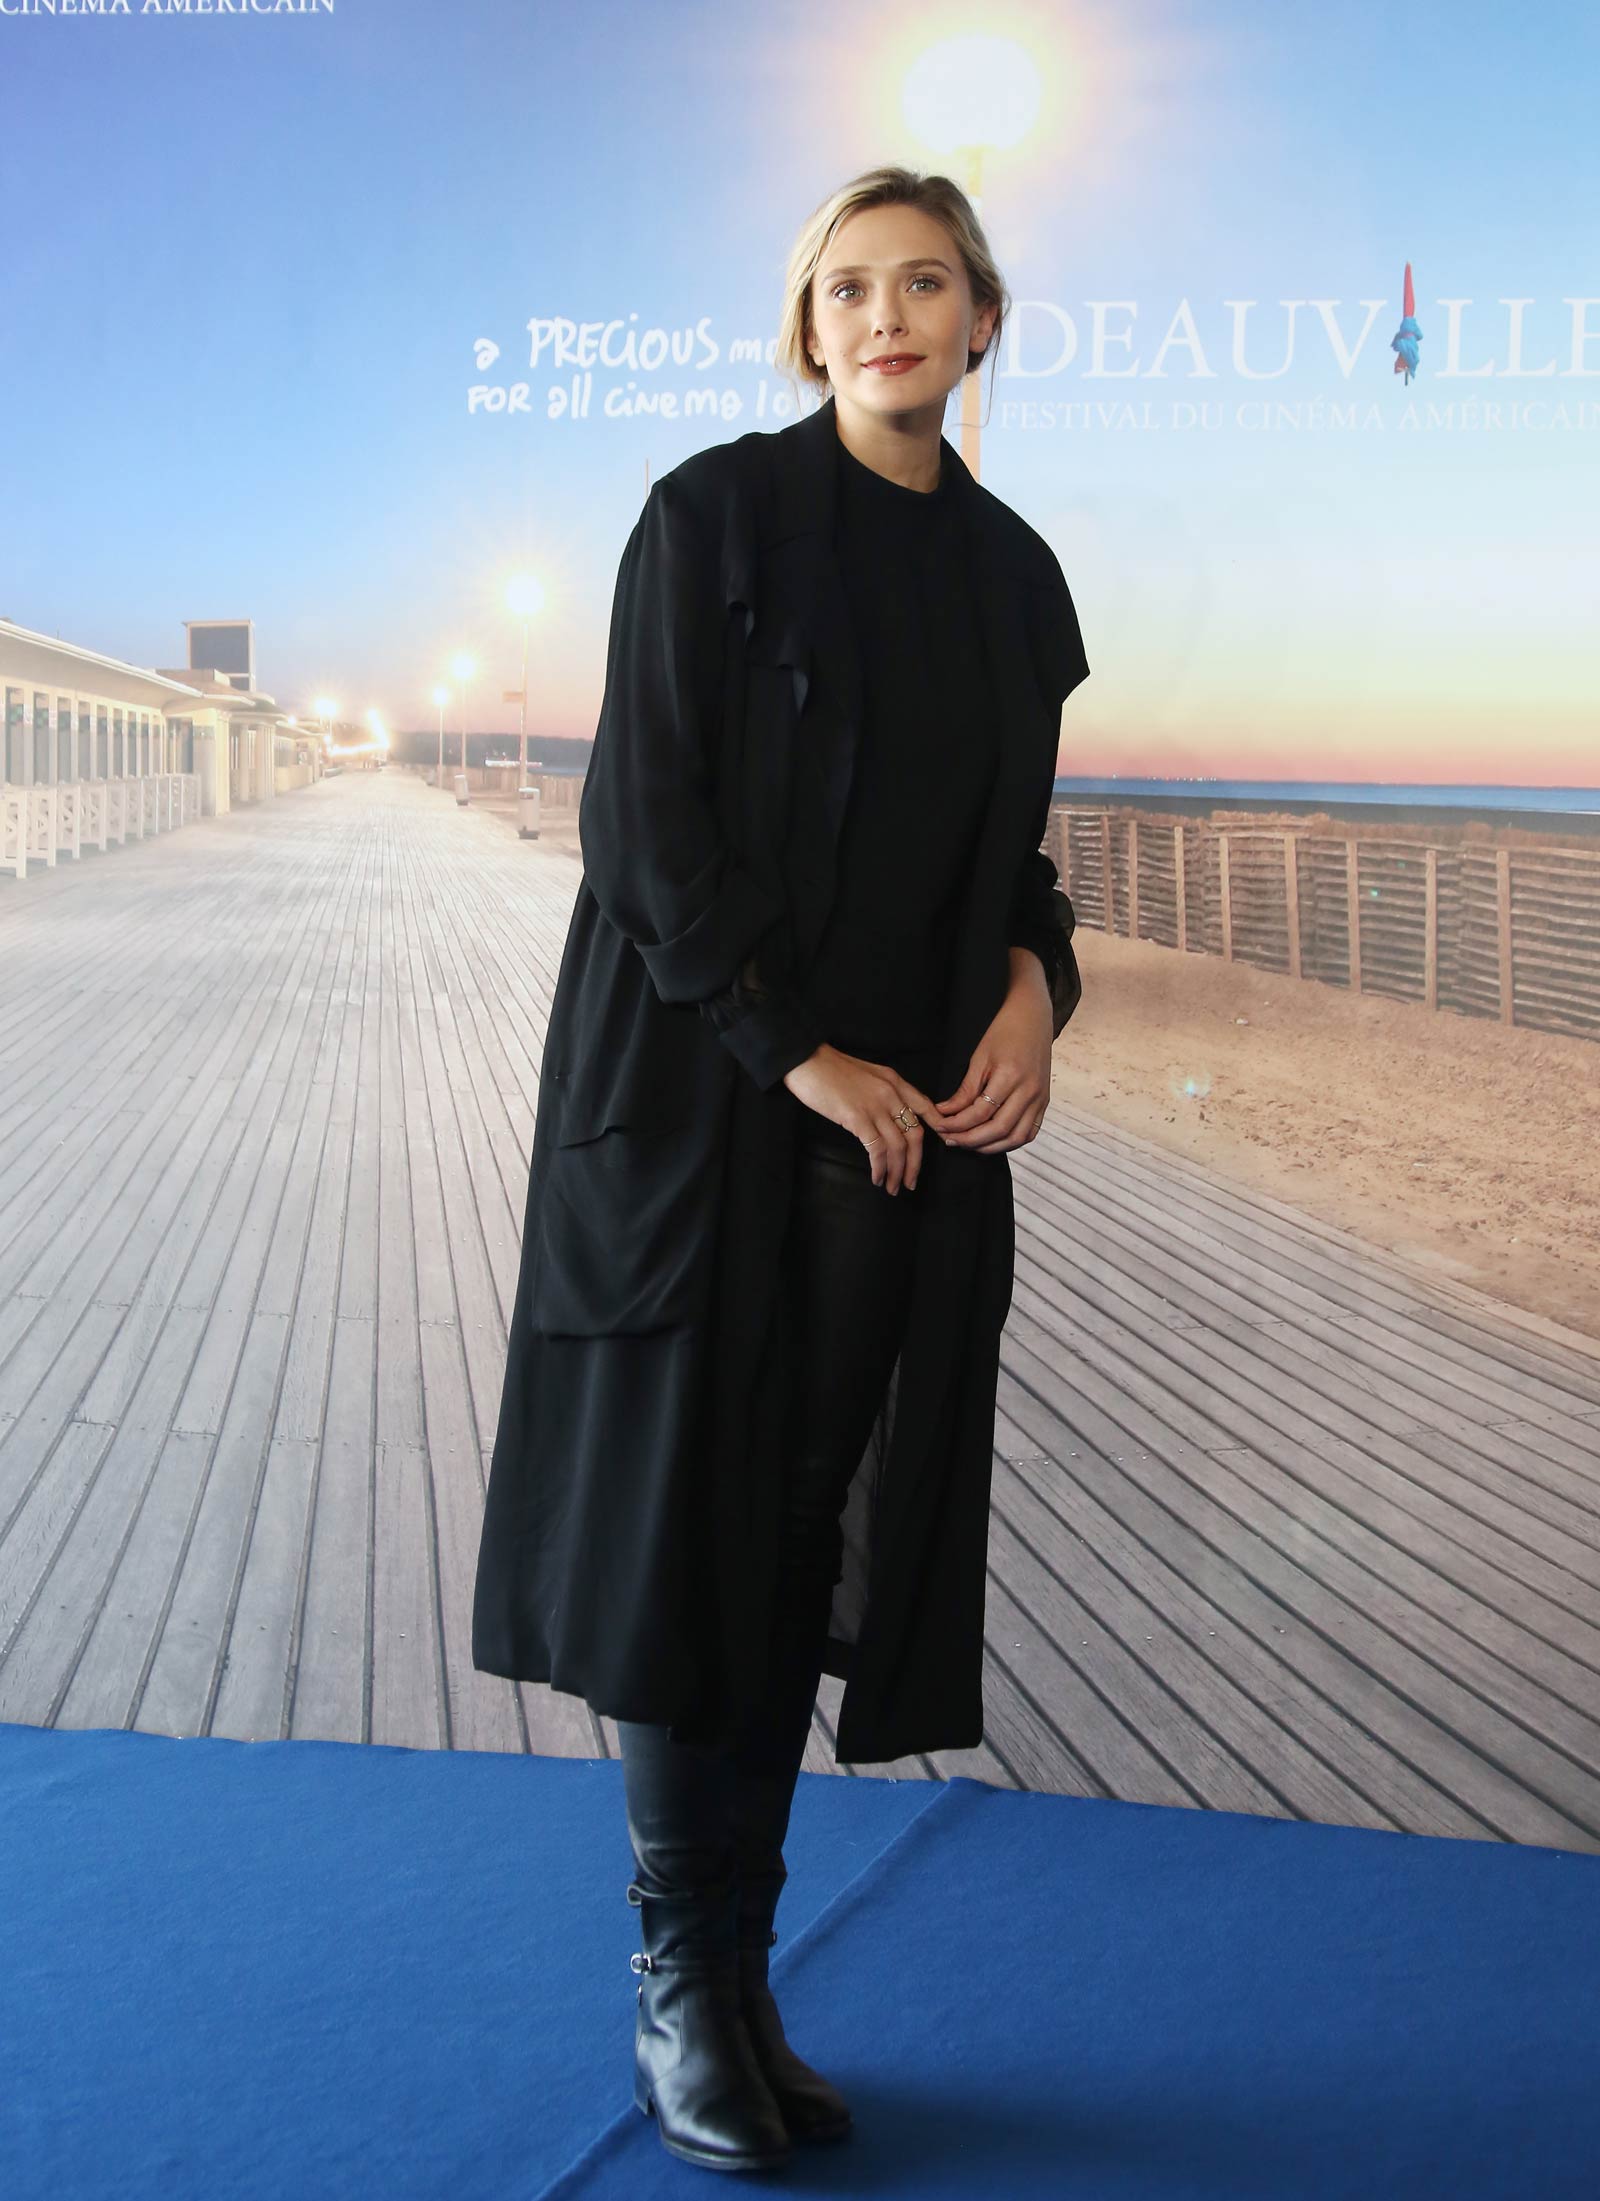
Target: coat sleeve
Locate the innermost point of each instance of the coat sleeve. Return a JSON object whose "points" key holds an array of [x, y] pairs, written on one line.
{"points": [[1042, 918], [1041, 915], [767, 1026], [654, 854]]}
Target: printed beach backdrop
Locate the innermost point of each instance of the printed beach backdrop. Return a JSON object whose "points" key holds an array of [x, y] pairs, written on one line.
{"points": [[345, 337]]}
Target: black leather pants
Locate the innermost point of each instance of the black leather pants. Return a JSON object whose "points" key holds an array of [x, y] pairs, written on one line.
{"points": [[848, 1262]]}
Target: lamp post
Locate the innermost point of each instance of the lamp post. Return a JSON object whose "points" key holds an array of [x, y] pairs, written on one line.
{"points": [[441, 696], [524, 596], [965, 96], [463, 667]]}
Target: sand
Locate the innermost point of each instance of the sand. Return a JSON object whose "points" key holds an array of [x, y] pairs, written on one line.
{"points": [[1464, 1145]]}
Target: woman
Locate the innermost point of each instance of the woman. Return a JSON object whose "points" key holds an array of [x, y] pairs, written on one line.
{"points": [[805, 1009]]}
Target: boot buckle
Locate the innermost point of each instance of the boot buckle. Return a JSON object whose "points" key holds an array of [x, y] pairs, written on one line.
{"points": [[639, 1965]]}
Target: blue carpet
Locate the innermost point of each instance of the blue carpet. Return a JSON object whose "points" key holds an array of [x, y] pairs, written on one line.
{"points": [[231, 1970]]}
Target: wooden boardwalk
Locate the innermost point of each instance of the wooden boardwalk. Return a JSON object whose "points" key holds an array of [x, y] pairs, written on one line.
{"points": [[1282, 1525]]}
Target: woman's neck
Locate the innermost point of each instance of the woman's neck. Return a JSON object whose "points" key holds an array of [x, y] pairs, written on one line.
{"points": [[910, 457]]}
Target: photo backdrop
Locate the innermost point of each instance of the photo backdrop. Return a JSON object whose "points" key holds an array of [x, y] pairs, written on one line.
{"points": [[337, 316]]}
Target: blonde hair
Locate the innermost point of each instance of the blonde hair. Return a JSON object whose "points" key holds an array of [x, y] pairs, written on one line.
{"points": [[889, 186]]}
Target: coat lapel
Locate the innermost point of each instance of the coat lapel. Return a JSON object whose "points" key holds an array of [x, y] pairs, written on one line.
{"points": [[808, 623]]}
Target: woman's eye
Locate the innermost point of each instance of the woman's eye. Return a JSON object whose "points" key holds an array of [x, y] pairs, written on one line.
{"points": [[933, 279]]}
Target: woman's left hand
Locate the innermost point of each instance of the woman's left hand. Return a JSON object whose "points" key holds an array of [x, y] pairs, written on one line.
{"points": [[1011, 1064]]}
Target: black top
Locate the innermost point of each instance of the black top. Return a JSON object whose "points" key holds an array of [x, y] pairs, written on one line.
{"points": [[880, 978]]}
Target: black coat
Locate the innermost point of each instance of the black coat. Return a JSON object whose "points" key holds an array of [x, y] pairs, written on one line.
{"points": [[630, 1528]]}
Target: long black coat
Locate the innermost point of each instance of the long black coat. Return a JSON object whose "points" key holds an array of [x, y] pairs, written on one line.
{"points": [[630, 1530]]}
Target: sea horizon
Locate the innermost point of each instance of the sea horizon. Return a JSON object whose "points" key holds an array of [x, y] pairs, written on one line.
{"points": [[1566, 802], [564, 756]]}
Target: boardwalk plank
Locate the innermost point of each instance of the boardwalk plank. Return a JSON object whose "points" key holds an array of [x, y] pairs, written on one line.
{"points": [[252, 1691], [37, 1625], [1226, 1700], [331, 1696], [1217, 1396], [1164, 1182], [1310, 1349], [180, 1688], [407, 1694], [1405, 1664], [125, 1619]]}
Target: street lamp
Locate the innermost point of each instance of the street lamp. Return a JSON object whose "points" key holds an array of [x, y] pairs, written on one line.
{"points": [[441, 696], [965, 96], [524, 596], [463, 667]]}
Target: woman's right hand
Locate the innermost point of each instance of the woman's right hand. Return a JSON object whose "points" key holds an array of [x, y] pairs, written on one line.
{"points": [[862, 1097]]}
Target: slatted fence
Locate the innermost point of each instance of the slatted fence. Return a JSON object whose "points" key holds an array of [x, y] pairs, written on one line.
{"points": [[1506, 925]]}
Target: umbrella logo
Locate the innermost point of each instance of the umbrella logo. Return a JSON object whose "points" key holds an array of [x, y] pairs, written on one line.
{"points": [[1408, 336]]}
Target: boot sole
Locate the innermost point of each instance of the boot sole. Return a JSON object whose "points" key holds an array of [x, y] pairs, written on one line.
{"points": [[752, 2160], [840, 2131]]}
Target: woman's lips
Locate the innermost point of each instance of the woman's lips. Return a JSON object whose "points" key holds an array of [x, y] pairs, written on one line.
{"points": [[901, 365]]}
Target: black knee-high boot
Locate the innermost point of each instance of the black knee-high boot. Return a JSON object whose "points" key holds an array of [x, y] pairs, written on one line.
{"points": [[848, 1270], [695, 2067], [766, 1768]]}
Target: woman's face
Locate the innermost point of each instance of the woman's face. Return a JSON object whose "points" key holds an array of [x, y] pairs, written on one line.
{"points": [[892, 283]]}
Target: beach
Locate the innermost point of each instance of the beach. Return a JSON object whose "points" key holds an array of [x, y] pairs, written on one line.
{"points": [[1463, 1144]]}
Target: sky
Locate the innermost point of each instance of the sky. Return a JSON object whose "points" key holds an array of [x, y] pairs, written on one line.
{"points": [[251, 260]]}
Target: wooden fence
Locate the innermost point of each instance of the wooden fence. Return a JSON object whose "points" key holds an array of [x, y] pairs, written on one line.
{"points": [[1500, 926]]}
